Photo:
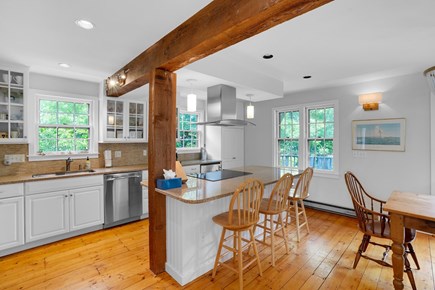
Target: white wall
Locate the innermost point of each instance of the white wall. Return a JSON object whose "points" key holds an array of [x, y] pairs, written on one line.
{"points": [[380, 172], [63, 85]]}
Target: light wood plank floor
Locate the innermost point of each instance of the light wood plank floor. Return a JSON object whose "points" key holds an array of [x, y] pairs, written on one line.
{"points": [[118, 259]]}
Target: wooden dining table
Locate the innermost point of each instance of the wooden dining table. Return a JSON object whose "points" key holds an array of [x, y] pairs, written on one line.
{"points": [[408, 210]]}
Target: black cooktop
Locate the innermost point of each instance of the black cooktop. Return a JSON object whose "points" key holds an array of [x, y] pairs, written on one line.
{"points": [[219, 175]]}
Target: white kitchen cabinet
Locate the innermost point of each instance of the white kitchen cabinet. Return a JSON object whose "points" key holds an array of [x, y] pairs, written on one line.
{"points": [[13, 90], [59, 206], [86, 207], [145, 200], [47, 215], [191, 169], [12, 222], [124, 121]]}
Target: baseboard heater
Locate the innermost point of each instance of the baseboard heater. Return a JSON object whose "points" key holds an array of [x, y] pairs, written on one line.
{"points": [[330, 208]]}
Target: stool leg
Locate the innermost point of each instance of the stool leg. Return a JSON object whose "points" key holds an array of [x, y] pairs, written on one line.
{"points": [[218, 254], [305, 216], [255, 251], [283, 233], [296, 207], [272, 240], [264, 227], [287, 214], [234, 245], [240, 260]]}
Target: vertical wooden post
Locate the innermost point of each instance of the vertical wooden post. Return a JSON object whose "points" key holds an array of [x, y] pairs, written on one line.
{"points": [[161, 145]]}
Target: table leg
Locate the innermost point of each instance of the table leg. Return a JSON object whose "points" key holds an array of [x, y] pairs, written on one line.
{"points": [[397, 235]]}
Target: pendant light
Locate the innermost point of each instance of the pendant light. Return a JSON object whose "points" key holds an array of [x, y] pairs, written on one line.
{"points": [[191, 98], [250, 108]]}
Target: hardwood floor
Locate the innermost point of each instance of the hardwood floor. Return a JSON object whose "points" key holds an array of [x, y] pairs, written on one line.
{"points": [[118, 259]]}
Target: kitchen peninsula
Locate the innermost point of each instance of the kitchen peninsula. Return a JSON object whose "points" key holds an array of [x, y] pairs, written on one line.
{"points": [[192, 237]]}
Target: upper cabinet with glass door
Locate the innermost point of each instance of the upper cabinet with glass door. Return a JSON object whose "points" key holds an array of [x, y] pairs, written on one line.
{"points": [[125, 121], [12, 100]]}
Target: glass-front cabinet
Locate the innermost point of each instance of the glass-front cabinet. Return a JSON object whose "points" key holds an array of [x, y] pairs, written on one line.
{"points": [[12, 96], [125, 121]]}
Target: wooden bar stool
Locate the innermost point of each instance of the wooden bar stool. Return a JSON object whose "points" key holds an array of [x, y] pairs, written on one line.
{"points": [[243, 214], [273, 206], [296, 201]]}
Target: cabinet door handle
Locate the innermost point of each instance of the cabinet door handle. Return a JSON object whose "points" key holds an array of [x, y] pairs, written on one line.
{"points": [[71, 195], [66, 195]]}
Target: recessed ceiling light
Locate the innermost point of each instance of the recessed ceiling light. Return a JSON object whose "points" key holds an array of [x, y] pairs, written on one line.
{"points": [[65, 65], [307, 77], [85, 24], [267, 56]]}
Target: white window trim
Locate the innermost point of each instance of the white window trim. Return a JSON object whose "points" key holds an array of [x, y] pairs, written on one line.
{"points": [[200, 130], [303, 113], [36, 95]]}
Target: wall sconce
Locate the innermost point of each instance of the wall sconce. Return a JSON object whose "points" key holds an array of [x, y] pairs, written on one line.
{"points": [[250, 108], [118, 80], [370, 102], [430, 75]]}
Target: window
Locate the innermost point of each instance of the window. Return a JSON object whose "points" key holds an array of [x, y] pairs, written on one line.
{"points": [[306, 135], [188, 135], [64, 126]]}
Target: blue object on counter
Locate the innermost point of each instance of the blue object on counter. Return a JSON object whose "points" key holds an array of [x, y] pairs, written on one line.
{"points": [[168, 183]]}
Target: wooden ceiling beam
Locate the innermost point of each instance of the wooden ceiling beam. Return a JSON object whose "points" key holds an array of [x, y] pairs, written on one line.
{"points": [[219, 25]]}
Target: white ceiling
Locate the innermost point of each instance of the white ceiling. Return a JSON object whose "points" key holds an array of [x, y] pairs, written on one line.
{"points": [[343, 42]]}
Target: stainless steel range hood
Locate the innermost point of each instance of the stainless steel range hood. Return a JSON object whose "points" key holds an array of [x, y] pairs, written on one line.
{"points": [[221, 107]]}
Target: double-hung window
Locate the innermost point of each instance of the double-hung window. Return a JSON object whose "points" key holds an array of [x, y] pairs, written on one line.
{"points": [[187, 131], [64, 126], [307, 135]]}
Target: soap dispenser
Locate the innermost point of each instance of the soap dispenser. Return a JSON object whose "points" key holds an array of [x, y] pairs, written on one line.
{"points": [[88, 163]]}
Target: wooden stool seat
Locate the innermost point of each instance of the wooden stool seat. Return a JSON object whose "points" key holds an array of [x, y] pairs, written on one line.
{"points": [[264, 207], [242, 215], [236, 223], [295, 196]]}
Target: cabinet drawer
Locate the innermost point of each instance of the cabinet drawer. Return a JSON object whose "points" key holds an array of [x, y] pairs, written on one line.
{"points": [[191, 169], [63, 184], [11, 190]]}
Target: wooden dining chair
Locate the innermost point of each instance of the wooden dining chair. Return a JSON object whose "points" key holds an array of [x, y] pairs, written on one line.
{"points": [[296, 206], [272, 208], [373, 222], [243, 215]]}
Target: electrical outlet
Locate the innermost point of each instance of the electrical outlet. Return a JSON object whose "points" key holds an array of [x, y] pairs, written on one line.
{"points": [[14, 158], [145, 152], [117, 154]]}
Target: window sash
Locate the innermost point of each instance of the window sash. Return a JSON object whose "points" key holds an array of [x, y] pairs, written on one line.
{"points": [[324, 160], [181, 132], [56, 140]]}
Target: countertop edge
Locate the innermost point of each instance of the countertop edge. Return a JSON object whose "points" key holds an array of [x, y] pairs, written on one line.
{"points": [[10, 179], [189, 201]]}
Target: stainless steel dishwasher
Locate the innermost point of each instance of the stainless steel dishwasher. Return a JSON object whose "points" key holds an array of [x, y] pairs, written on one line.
{"points": [[123, 198]]}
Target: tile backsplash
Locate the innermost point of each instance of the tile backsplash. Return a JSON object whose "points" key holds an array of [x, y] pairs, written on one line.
{"points": [[131, 154]]}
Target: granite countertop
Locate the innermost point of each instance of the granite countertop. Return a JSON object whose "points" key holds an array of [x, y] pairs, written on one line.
{"points": [[199, 162], [200, 191], [98, 171]]}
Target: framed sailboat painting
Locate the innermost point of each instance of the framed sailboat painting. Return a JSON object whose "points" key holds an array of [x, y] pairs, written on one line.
{"points": [[379, 134]]}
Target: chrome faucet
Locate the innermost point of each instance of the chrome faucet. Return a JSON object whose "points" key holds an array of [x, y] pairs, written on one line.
{"points": [[68, 164]]}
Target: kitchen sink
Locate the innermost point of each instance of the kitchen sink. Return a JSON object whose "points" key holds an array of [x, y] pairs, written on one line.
{"points": [[62, 173]]}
